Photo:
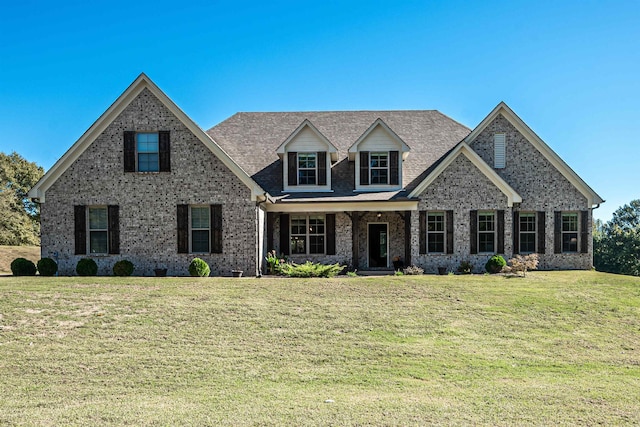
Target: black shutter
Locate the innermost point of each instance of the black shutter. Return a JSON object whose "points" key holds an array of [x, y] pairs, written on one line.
{"points": [[331, 234], [183, 229], [271, 219], [473, 232], [584, 232], [394, 168], [516, 232], [557, 232], [113, 215], [364, 168], [322, 168], [80, 229], [129, 151], [284, 234], [216, 229], [422, 230], [542, 241], [500, 232], [407, 238], [449, 225], [164, 148], [292, 160]]}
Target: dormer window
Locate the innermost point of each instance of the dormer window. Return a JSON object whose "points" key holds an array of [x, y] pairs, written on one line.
{"points": [[379, 168], [307, 168]]}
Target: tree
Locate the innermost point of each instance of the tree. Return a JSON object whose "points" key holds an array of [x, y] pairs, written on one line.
{"points": [[617, 243], [19, 216]]}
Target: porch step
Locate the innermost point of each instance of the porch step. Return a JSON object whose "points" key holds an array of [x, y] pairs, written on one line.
{"points": [[376, 272]]}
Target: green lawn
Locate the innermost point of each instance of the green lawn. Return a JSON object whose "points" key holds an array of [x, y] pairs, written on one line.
{"points": [[556, 348]]}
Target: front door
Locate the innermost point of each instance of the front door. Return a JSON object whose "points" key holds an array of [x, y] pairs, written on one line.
{"points": [[378, 249]]}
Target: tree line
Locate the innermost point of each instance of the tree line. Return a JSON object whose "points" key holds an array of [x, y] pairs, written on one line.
{"points": [[616, 244]]}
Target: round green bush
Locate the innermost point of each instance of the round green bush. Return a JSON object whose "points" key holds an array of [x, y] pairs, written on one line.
{"points": [[199, 268], [495, 264], [23, 267], [123, 268], [47, 267], [87, 267]]}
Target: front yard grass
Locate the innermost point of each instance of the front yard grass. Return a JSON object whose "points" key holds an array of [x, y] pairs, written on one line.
{"points": [[555, 348]]}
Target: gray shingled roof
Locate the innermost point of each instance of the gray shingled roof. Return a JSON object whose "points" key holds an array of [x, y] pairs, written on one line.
{"points": [[251, 139]]}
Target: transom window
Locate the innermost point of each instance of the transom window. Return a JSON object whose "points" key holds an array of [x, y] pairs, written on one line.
{"points": [[98, 230], [200, 229], [486, 232], [569, 232], [435, 232], [148, 152], [308, 234], [379, 168], [307, 168], [527, 233]]}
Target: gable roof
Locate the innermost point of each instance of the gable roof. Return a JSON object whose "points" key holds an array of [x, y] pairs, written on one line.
{"points": [[333, 151], [502, 108], [379, 123], [464, 149], [429, 133], [139, 84]]}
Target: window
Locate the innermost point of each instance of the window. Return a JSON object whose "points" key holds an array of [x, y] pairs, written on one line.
{"points": [[486, 232], [499, 148], [308, 234], [307, 168], [148, 152], [200, 229], [379, 168], [435, 232], [527, 232], [98, 230], [569, 232]]}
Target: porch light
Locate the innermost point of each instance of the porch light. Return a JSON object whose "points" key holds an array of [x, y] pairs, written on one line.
{"points": [[379, 215]]}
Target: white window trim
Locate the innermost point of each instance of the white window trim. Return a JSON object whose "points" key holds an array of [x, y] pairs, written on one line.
{"points": [[191, 229], [378, 187], [494, 232], [305, 188], [499, 151], [443, 232], [576, 232], [308, 235], [137, 153], [314, 169], [386, 156], [534, 232], [89, 229]]}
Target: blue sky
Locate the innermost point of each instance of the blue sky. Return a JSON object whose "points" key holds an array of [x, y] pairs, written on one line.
{"points": [[569, 69]]}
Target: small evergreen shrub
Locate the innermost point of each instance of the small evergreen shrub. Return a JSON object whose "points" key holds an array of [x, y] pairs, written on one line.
{"points": [[199, 268], [87, 267], [413, 270], [398, 273], [123, 268], [310, 269], [465, 267], [23, 267], [47, 267], [495, 264]]}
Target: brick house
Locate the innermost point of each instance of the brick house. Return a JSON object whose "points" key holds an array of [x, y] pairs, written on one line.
{"points": [[363, 188]]}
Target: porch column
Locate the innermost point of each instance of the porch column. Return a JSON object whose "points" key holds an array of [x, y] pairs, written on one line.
{"points": [[355, 239], [407, 238]]}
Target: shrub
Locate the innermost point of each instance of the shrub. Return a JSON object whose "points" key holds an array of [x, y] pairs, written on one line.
{"points": [[495, 264], [87, 267], [310, 269], [123, 268], [199, 268], [521, 263], [352, 274], [47, 267], [23, 267], [465, 267], [413, 270], [398, 273]]}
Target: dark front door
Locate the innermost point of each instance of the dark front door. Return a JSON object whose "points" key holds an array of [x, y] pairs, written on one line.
{"points": [[378, 238]]}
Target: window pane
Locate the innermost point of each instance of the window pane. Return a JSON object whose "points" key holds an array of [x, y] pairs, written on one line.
{"points": [[316, 225], [307, 177], [486, 222], [435, 222], [148, 162], [200, 217], [307, 160], [200, 240], [147, 142], [316, 244], [569, 242], [527, 242], [98, 242], [435, 242], [98, 218], [299, 226], [298, 245], [527, 222], [570, 222], [379, 176], [486, 242]]}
